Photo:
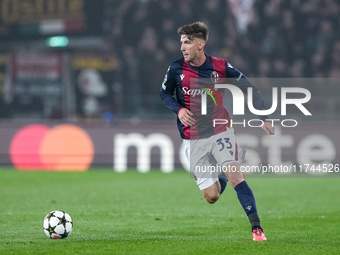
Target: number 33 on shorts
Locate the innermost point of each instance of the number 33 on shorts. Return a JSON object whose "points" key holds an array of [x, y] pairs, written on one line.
{"points": [[226, 141], [225, 148]]}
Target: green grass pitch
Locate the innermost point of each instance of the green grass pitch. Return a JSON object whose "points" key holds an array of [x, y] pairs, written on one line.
{"points": [[157, 213]]}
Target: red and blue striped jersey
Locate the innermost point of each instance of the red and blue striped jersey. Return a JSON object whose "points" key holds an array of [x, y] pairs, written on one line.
{"points": [[182, 87]]}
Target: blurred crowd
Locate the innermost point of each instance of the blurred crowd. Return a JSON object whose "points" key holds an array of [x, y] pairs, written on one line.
{"points": [[275, 38], [264, 39]]}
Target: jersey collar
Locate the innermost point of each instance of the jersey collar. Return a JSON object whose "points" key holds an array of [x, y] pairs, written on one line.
{"points": [[195, 68]]}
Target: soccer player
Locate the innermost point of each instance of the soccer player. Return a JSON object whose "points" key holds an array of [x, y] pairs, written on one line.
{"points": [[205, 144]]}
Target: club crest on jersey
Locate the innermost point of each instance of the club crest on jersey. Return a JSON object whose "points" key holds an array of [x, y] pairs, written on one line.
{"points": [[214, 77]]}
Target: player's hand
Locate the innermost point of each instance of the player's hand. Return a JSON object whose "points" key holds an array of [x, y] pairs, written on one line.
{"points": [[185, 116], [268, 128]]}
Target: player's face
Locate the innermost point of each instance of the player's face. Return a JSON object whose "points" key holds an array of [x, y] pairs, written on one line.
{"points": [[190, 48]]}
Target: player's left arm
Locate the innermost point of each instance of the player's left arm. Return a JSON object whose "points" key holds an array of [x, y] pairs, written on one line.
{"points": [[241, 81], [268, 128]]}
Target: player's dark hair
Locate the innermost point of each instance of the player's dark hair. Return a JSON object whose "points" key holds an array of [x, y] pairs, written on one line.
{"points": [[195, 30]]}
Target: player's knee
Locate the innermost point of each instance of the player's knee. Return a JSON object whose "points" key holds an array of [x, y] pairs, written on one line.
{"points": [[235, 181], [235, 178], [212, 197]]}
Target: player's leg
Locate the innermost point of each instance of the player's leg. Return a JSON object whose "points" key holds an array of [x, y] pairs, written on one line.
{"points": [[223, 181], [233, 173], [226, 154], [203, 168], [207, 180], [212, 193], [246, 198], [222, 178]]}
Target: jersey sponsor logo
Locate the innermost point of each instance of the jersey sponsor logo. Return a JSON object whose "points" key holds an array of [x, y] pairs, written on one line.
{"points": [[248, 207], [182, 77], [231, 153], [208, 91], [194, 92], [202, 91], [214, 77]]}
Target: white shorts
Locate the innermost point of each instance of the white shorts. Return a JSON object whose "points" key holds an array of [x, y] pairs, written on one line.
{"points": [[207, 156]]}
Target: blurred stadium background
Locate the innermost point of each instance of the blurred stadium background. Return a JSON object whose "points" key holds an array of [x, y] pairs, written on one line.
{"points": [[93, 70]]}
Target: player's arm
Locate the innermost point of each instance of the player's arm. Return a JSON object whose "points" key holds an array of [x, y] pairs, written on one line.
{"points": [[168, 90], [241, 81], [167, 95]]}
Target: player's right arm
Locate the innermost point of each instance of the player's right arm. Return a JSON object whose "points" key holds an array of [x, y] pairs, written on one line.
{"points": [[167, 92], [241, 81]]}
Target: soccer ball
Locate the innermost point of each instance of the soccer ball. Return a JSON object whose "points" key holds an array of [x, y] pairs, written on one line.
{"points": [[57, 224]]}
